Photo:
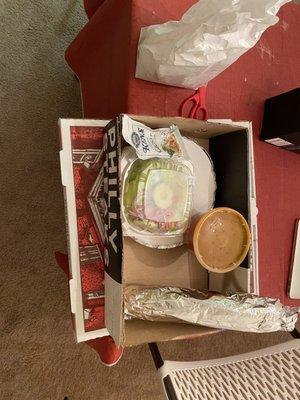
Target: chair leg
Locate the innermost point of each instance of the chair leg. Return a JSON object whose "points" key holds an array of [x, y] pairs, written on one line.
{"points": [[166, 380], [296, 334], [158, 361], [169, 388]]}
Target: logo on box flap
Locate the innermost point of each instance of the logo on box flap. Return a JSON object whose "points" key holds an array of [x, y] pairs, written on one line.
{"points": [[112, 220], [135, 139]]}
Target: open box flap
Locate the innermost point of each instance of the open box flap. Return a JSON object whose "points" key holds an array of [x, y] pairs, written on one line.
{"points": [[193, 127], [67, 178]]}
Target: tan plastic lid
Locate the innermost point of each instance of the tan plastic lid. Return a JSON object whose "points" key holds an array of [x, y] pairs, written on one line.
{"points": [[221, 240]]}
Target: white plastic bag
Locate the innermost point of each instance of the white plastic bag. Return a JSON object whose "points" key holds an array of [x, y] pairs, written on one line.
{"points": [[211, 35]]}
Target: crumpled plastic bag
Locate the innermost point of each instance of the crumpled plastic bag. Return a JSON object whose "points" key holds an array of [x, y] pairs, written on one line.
{"points": [[211, 35]]}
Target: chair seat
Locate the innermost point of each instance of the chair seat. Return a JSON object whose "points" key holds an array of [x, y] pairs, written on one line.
{"points": [[268, 374]]}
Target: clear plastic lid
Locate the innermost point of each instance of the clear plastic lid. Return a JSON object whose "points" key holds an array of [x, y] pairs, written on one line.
{"points": [[157, 195]]}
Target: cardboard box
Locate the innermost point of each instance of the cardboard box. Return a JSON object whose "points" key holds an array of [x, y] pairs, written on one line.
{"points": [[127, 262]]}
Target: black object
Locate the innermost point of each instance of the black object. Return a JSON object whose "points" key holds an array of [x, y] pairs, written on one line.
{"points": [[157, 358], [229, 153], [158, 361], [112, 224], [281, 122], [295, 333]]}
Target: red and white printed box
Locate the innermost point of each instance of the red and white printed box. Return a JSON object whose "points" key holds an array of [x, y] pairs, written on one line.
{"points": [[89, 202], [81, 159]]}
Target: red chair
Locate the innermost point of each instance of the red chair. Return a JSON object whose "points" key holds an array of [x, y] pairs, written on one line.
{"points": [[91, 6]]}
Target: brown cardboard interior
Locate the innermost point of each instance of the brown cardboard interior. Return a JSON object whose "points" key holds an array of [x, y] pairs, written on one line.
{"points": [[177, 267], [139, 332], [189, 127], [153, 267]]}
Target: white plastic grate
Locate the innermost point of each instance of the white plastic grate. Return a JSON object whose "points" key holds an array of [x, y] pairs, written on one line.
{"points": [[261, 377]]}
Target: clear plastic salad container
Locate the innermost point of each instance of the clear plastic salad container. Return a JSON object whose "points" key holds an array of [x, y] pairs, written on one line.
{"points": [[157, 197]]}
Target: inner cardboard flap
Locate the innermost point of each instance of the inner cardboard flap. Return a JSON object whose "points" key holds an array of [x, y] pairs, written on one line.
{"points": [[173, 267], [188, 126], [139, 332]]}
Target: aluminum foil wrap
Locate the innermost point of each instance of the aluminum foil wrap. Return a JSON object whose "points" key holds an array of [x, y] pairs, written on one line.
{"points": [[240, 312]]}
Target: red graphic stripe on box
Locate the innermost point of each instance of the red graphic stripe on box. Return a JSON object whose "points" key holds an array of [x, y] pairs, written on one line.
{"points": [[87, 157]]}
